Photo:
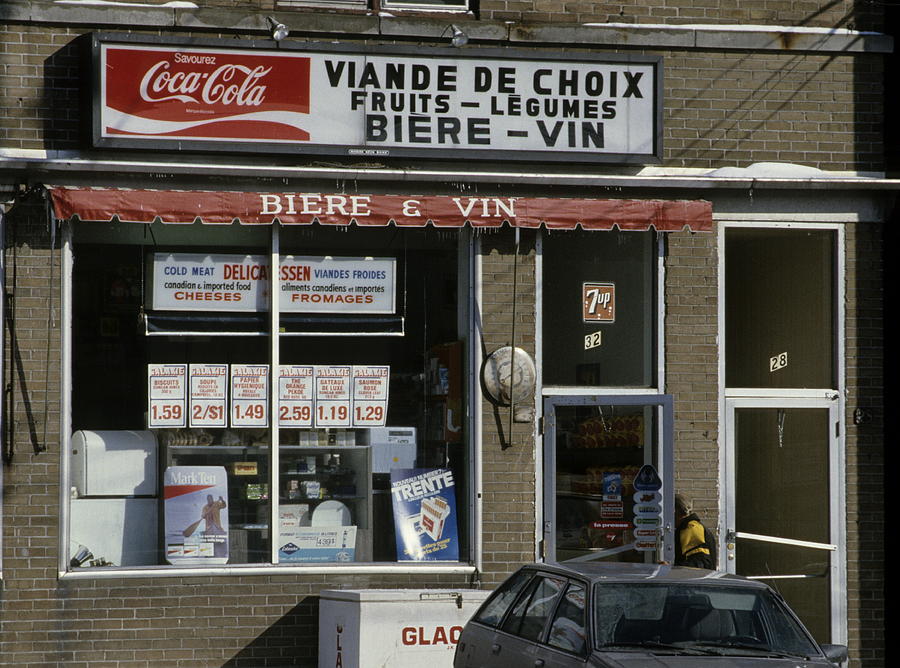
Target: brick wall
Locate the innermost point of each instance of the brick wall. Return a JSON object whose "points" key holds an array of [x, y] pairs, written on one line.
{"points": [[776, 12], [810, 13], [692, 366], [509, 466], [721, 108], [865, 463]]}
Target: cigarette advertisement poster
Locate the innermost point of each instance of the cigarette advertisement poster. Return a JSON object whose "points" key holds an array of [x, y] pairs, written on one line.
{"points": [[167, 395], [196, 515], [220, 282], [209, 388], [424, 502]]}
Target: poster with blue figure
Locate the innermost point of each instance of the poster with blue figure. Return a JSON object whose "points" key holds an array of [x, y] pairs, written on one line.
{"points": [[196, 515], [424, 502]]}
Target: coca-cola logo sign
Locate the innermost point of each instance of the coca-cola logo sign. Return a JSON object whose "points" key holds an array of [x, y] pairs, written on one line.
{"points": [[156, 92]]}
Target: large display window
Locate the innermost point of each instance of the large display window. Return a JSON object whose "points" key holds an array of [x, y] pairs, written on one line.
{"points": [[207, 431], [599, 309]]}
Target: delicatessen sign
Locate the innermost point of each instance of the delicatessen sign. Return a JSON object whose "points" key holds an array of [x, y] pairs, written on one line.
{"points": [[221, 282], [377, 101]]}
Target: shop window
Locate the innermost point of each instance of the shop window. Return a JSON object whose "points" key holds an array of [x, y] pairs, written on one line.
{"points": [[184, 455], [599, 309], [779, 308]]}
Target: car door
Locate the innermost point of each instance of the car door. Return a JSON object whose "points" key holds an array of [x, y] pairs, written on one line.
{"points": [[478, 643], [566, 643], [516, 643]]}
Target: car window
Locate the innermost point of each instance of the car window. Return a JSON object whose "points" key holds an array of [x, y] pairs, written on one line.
{"points": [[495, 607], [696, 614], [529, 615], [784, 631], [567, 632]]}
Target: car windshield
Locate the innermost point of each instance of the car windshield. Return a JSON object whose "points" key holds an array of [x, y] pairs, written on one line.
{"points": [[714, 617]]}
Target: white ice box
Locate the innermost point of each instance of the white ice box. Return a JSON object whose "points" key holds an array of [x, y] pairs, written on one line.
{"points": [[114, 463], [400, 628]]}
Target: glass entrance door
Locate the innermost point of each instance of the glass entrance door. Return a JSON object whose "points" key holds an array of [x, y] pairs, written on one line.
{"points": [[783, 501], [595, 504]]}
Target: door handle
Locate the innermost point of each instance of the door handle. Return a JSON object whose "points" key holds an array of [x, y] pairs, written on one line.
{"points": [[495, 648], [539, 663]]}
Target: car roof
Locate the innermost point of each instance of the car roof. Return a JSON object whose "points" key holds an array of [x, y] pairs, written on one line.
{"points": [[615, 572]]}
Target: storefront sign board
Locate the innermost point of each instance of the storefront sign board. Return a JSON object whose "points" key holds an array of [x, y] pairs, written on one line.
{"points": [[376, 101], [167, 394], [222, 282], [196, 515], [208, 395], [249, 395], [424, 503]]}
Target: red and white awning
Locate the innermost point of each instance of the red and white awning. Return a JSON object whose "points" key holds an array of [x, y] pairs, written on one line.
{"points": [[442, 211]]}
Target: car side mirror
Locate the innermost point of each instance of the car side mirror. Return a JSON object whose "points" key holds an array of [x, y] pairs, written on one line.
{"points": [[835, 653]]}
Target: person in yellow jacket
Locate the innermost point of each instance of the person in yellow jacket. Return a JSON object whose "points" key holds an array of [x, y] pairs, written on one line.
{"points": [[695, 545]]}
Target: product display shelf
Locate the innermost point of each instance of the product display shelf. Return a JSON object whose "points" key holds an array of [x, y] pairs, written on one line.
{"points": [[325, 485]]}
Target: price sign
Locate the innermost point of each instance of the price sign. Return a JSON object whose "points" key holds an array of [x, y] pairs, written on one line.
{"points": [[296, 394], [249, 395], [370, 395], [166, 393], [333, 396], [209, 386]]}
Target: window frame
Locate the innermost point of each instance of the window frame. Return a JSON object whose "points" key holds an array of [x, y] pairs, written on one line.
{"points": [[467, 565], [658, 307]]}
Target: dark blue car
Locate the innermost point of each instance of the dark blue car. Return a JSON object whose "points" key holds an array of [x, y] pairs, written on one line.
{"points": [[622, 615]]}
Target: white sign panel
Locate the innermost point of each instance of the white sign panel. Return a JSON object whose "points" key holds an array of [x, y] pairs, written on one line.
{"points": [[209, 390], [219, 282], [249, 395], [333, 396], [370, 395], [337, 285], [167, 394], [380, 102], [296, 396]]}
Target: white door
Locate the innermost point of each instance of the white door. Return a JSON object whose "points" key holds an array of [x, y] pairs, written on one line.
{"points": [[784, 503]]}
